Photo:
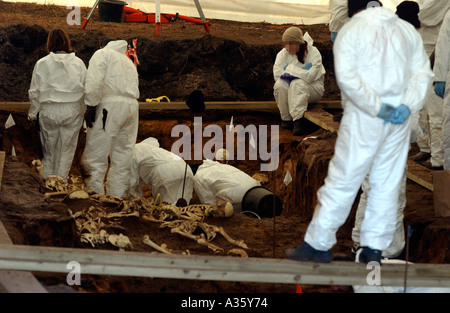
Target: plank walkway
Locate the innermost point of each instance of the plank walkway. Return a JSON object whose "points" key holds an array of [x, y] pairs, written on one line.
{"points": [[178, 105], [219, 268]]}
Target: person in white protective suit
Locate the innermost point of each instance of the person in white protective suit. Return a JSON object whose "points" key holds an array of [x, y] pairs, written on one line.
{"points": [[408, 11], [431, 16], [165, 172], [112, 90], [215, 181], [339, 16], [56, 95], [384, 75], [299, 76], [442, 83]]}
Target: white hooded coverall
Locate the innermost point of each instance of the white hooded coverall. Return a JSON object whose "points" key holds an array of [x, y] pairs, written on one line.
{"points": [[112, 84], [292, 97], [379, 58], [56, 93], [162, 170], [431, 16], [339, 14], [215, 181], [442, 74]]}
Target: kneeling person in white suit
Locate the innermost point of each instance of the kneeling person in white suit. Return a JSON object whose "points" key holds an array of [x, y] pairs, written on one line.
{"points": [[215, 181], [162, 170]]}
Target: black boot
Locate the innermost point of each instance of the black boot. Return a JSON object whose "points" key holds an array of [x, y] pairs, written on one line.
{"points": [[338, 117], [368, 255], [307, 253], [299, 127], [420, 157], [287, 125]]}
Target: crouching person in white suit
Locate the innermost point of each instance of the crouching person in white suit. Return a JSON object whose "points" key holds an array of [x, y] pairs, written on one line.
{"points": [[162, 170], [299, 78]]}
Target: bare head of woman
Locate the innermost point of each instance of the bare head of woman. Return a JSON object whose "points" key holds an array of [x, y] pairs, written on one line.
{"points": [[58, 41]]}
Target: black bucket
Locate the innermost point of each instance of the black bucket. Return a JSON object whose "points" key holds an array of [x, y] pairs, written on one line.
{"points": [[260, 200], [110, 10]]}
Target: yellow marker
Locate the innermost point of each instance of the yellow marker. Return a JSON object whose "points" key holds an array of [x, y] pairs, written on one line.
{"points": [[159, 99]]}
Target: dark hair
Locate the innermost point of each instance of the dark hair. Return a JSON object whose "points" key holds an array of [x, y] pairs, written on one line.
{"points": [[355, 6], [302, 52], [409, 11], [58, 40]]}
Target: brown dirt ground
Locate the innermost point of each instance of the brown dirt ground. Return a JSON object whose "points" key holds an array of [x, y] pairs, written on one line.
{"points": [[219, 64]]}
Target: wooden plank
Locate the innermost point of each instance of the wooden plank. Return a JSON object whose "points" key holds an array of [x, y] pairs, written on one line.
{"points": [[13, 281], [2, 164], [179, 105], [322, 118], [416, 172], [420, 174], [262, 270], [14, 105]]}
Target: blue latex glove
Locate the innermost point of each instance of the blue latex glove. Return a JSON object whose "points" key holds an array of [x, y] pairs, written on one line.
{"points": [[439, 89], [401, 114], [386, 113], [333, 36], [307, 66], [287, 76]]}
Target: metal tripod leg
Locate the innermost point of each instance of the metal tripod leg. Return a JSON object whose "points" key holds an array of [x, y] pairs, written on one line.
{"points": [[157, 18], [202, 16]]}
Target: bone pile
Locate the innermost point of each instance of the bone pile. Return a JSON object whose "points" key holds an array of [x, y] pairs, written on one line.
{"points": [[185, 221]]}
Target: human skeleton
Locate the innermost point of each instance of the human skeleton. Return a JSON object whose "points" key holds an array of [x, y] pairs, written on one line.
{"points": [[184, 221]]}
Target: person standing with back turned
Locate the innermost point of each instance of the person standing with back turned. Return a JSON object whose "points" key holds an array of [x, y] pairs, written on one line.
{"points": [[56, 95], [112, 117], [384, 75]]}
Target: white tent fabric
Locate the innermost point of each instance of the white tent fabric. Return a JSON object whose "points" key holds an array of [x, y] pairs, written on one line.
{"points": [[271, 11]]}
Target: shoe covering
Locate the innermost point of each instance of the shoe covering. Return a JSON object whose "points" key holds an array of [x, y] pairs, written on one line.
{"points": [[420, 157], [307, 253], [287, 124], [367, 255], [299, 127]]}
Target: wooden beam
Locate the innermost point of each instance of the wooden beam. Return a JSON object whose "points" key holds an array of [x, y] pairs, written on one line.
{"points": [[416, 172], [2, 164], [195, 267], [13, 281], [179, 105], [420, 174], [322, 118]]}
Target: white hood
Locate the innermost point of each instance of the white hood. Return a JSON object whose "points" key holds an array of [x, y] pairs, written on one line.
{"points": [[118, 45], [377, 15], [61, 58]]}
